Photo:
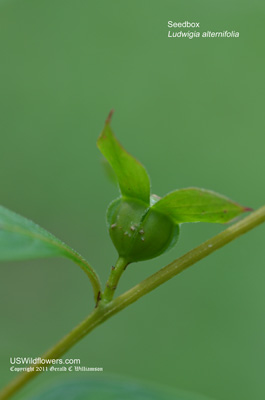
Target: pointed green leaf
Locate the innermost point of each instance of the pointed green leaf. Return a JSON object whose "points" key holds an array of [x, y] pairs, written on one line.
{"points": [[132, 176], [109, 172], [198, 205], [22, 239]]}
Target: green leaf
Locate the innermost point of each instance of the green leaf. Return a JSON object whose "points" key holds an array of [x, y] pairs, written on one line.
{"points": [[112, 389], [132, 177], [198, 205], [109, 172], [22, 239]]}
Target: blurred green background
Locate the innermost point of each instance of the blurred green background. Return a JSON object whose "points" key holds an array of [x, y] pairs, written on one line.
{"points": [[193, 112]]}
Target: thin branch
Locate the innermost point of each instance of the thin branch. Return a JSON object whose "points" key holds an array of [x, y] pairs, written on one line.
{"points": [[115, 274], [103, 312]]}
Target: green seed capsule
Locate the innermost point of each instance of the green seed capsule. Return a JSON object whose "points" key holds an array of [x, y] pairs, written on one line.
{"points": [[138, 232]]}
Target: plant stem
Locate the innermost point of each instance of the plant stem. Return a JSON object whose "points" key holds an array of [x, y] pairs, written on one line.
{"points": [[94, 279], [105, 311], [113, 280]]}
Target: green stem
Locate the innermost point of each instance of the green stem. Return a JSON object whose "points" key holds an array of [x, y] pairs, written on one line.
{"points": [[94, 279], [113, 280], [105, 311]]}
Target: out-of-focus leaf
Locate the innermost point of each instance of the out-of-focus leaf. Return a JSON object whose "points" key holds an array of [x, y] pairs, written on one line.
{"points": [[22, 239], [198, 205], [106, 389], [132, 176]]}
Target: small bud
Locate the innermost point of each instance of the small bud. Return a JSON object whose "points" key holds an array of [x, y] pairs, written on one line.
{"points": [[160, 232]]}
